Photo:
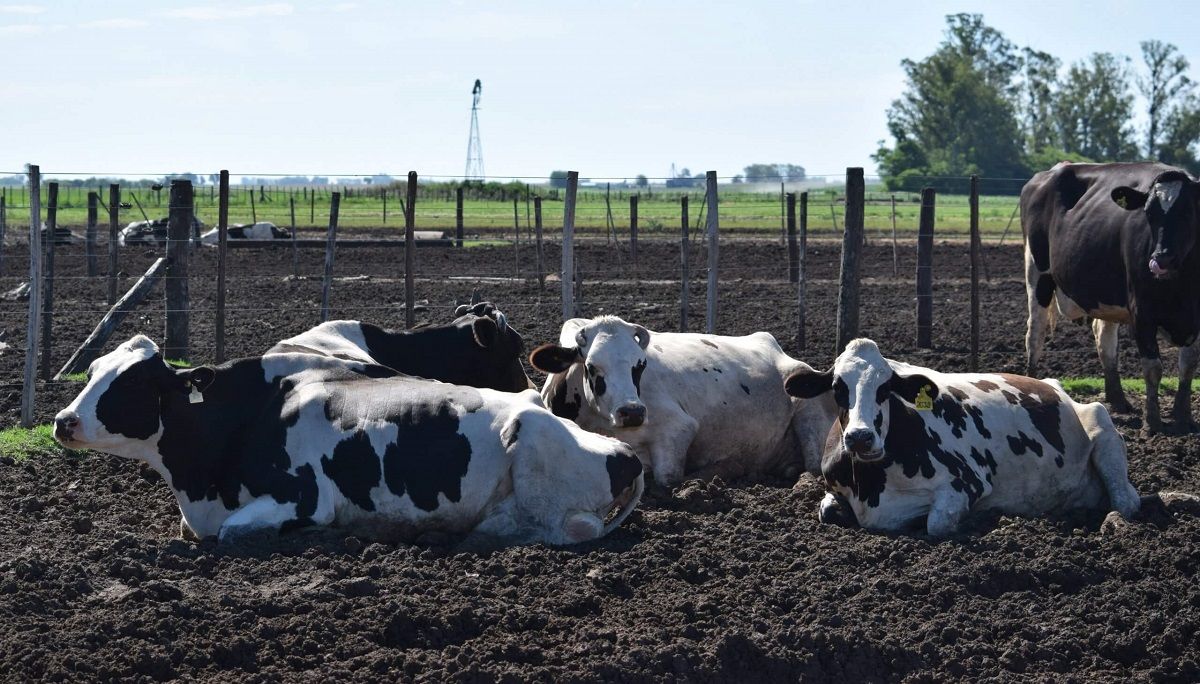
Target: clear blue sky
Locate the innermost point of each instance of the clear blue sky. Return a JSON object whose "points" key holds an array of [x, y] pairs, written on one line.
{"points": [[611, 89]]}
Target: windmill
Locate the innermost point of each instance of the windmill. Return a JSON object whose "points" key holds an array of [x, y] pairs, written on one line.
{"points": [[474, 146]]}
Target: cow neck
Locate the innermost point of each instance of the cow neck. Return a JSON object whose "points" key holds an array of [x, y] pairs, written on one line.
{"points": [[399, 349]]}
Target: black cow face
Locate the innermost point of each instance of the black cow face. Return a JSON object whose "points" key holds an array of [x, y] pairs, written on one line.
{"points": [[863, 384], [613, 356], [1172, 209], [119, 409], [501, 344]]}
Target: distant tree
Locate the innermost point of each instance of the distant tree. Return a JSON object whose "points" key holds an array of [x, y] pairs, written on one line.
{"points": [[1163, 87], [558, 179], [1094, 107], [1180, 144], [642, 181], [761, 173], [738, 178], [1038, 88], [792, 172], [214, 178], [685, 173]]}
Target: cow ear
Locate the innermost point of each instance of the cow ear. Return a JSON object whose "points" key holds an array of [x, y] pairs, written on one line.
{"points": [[551, 358], [642, 336], [807, 383], [200, 377], [462, 310], [1128, 198], [484, 330], [908, 387]]}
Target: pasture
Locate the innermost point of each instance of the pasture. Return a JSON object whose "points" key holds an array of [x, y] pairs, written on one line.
{"points": [[711, 581]]}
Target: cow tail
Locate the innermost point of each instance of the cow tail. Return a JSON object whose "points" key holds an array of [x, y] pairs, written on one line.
{"points": [[639, 487]]}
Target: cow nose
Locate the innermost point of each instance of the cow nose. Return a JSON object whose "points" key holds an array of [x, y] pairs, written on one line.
{"points": [[631, 415], [859, 440], [65, 424]]}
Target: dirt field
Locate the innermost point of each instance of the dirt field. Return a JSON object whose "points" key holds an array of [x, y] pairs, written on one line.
{"points": [[716, 581]]}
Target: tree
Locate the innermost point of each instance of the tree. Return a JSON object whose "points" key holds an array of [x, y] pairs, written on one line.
{"points": [[1180, 144], [958, 114], [642, 181], [738, 178], [759, 173], [1093, 109], [1163, 87], [558, 179], [1039, 83]]}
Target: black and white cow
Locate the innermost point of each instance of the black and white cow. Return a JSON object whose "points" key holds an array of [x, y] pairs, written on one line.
{"points": [[1117, 242], [687, 403], [911, 442], [478, 349], [289, 440], [263, 230]]}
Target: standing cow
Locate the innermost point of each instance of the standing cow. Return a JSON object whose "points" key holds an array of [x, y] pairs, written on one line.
{"points": [[478, 349], [1117, 242], [911, 442], [686, 402], [289, 440]]}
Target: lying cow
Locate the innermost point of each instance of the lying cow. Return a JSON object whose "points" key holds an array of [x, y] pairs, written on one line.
{"points": [[479, 348], [289, 440], [151, 232], [263, 230], [914, 442], [686, 402]]}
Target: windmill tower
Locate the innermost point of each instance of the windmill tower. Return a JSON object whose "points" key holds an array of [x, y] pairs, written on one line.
{"points": [[474, 146]]}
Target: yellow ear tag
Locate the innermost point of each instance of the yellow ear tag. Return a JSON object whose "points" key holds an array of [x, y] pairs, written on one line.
{"points": [[924, 402], [195, 397]]}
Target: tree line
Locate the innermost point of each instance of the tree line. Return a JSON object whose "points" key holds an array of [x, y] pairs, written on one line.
{"points": [[982, 105]]}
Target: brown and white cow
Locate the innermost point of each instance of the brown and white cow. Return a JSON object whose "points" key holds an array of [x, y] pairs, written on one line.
{"points": [[917, 443]]}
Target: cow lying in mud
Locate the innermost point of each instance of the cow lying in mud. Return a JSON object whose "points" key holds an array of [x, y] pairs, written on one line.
{"points": [[687, 403], [289, 440], [916, 443]]}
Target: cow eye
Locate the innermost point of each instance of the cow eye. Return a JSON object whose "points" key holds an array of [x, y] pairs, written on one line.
{"points": [[591, 370]]}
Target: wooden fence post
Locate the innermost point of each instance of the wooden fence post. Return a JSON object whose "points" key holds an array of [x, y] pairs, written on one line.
{"points": [[222, 252], [516, 238], [537, 227], [312, 206], [179, 228], [710, 316], [793, 250], [852, 243], [410, 248], [295, 249], [895, 255], [335, 201], [89, 236], [384, 194], [685, 260], [458, 217], [114, 206], [925, 270], [568, 247], [974, 200], [253, 211], [35, 293], [801, 303], [48, 288], [4, 229]]}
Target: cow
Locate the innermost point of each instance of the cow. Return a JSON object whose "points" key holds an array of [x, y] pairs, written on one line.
{"points": [[283, 441], [1116, 242], [479, 348], [262, 230], [911, 442], [687, 403], [151, 232]]}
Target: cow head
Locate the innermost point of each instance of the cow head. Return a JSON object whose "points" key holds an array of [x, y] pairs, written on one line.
{"points": [[1172, 208], [500, 343], [613, 355], [863, 384], [119, 410]]}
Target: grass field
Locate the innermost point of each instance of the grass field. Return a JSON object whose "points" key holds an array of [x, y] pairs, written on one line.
{"points": [[658, 210]]}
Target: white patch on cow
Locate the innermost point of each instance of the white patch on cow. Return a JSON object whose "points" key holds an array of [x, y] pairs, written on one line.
{"points": [[344, 338], [1167, 192]]}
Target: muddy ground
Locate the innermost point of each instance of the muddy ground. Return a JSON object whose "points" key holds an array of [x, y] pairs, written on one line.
{"points": [[717, 581]]}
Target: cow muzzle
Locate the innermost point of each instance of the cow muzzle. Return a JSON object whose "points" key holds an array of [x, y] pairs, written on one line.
{"points": [[630, 415], [861, 444], [1162, 265], [65, 425]]}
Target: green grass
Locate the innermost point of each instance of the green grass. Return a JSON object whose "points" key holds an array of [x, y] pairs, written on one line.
{"points": [[658, 210], [20, 443], [82, 376], [1095, 386]]}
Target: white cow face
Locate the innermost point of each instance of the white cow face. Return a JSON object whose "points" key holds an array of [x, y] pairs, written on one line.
{"points": [[613, 355], [118, 411], [864, 386]]}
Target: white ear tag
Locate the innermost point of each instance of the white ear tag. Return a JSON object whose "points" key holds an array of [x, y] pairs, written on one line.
{"points": [[195, 397]]}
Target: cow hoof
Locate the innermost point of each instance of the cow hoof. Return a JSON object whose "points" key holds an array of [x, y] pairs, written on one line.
{"points": [[1121, 406], [1152, 427], [1184, 426]]}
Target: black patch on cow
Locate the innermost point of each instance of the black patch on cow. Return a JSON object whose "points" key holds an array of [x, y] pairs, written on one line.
{"points": [[744, 388], [957, 393], [841, 393], [130, 406], [986, 385], [237, 232], [354, 468], [295, 524], [984, 460], [559, 405], [954, 409], [1039, 247], [1043, 291], [718, 369], [429, 457], [704, 369], [1022, 443], [508, 435], [623, 469], [638, 369], [599, 386], [710, 343], [1041, 402], [879, 422]]}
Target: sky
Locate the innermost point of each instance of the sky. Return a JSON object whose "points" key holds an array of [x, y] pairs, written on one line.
{"points": [[611, 89]]}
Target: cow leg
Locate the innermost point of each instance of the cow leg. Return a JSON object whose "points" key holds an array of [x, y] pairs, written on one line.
{"points": [[1039, 292], [836, 510], [1109, 458], [263, 514], [946, 511], [668, 451], [186, 531], [1146, 337], [1182, 411], [1106, 347]]}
